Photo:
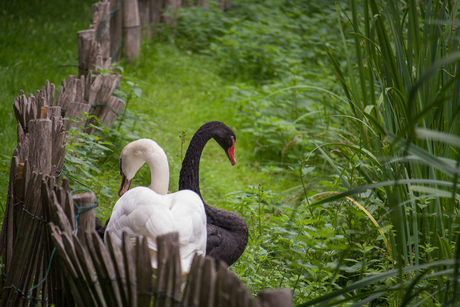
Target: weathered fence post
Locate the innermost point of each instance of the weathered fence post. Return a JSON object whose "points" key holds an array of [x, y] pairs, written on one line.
{"points": [[131, 29]]}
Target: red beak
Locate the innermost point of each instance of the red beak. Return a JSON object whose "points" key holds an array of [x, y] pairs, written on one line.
{"points": [[231, 154], [125, 184]]}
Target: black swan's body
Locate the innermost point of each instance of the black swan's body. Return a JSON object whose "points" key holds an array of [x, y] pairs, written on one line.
{"points": [[227, 231]]}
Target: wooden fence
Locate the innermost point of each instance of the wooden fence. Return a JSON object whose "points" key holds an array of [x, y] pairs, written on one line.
{"points": [[49, 249], [117, 27]]}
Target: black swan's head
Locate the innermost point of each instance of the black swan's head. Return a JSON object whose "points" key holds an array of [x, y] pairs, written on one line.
{"points": [[225, 137]]}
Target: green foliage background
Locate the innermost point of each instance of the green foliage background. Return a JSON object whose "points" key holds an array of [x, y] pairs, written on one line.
{"points": [[347, 119]]}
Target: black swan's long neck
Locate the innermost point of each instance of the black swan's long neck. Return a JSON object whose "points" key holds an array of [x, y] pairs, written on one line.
{"points": [[190, 173]]}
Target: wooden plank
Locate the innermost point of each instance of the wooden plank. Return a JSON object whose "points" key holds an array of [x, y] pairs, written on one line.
{"points": [[104, 268], [38, 264], [101, 23], [144, 16], [54, 111], [101, 99], [20, 186], [169, 270], [86, 217], [81, 282], [58, 141], [20, 134], [56, 213], [76, 110], [87, 266], [223, 286], [87, 51], [94, 89], [41, 142], [275, 298], [117, 258], [45, 96], [169, 6], [162, 262], [109, 84], [208, 282], [110, 113], [67, 92], [18, 111], [116, 23], [69, 269], [130, 269], [191, 294], [80, 89], [32, 112], [156, 7], [21, 248], [131, 29], [144, 273], [175, 273], [7, 233]]}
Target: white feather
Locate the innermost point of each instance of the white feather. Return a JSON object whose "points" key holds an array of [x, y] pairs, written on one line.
{"points": [[142, 211]]}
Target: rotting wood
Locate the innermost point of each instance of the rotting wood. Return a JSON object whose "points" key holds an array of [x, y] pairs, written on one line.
{"points": [[117, 259], [106, 272], [130, 269], [143, 272], [191, 294], [88, 270], [207, 288]]}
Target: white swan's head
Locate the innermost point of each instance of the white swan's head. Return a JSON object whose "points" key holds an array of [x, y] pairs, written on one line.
{"points": [[134, 155]]}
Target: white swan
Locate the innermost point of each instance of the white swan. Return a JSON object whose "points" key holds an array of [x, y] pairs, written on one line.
{"points": [[145, 211]]}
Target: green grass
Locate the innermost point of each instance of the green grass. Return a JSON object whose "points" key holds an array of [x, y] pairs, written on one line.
{"points": [[180, 93]]}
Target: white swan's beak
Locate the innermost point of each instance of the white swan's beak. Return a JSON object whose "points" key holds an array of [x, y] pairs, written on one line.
{"points": [[125, 184]]}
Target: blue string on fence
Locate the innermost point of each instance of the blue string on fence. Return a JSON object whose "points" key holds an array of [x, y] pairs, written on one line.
{"points": [[61, 172], [43, 280], [80, 210], [77, 215]]}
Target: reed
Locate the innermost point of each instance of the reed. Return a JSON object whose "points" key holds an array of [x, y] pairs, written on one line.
{"points": [[401, 84]]}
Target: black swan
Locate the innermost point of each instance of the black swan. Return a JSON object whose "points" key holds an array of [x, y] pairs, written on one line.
{"points": [[227, 232]]}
